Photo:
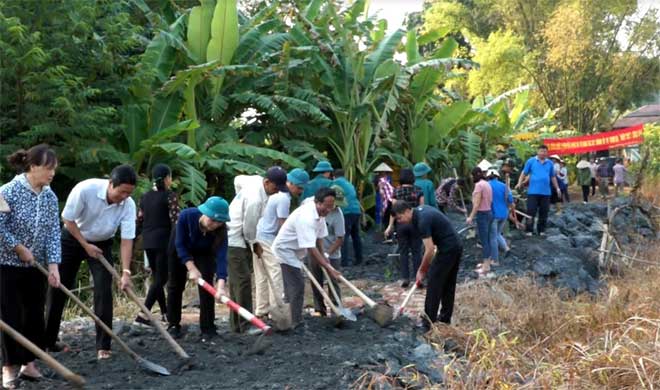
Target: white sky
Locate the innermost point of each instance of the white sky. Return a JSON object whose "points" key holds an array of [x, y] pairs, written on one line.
{"points": [[395, 10]]}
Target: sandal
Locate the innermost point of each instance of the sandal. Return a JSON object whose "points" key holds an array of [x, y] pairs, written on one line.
{"points": [[103, 354], [30, 373], [9, 377]]}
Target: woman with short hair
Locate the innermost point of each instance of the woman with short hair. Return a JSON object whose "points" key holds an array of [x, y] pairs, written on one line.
{"points": [[29, 232]]}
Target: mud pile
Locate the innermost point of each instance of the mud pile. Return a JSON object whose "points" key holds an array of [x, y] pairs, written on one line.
{"points": [[318, 355]]}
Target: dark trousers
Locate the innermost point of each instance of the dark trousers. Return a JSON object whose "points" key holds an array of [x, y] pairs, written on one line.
{"points": [[176, 284], [72, 256], [441, 288], [239, 268], [316, 270], [158, 264], [22, 295], [585, 193], [409, 244], [593, 186], [540, 203], [294, 291], [352, 225]]}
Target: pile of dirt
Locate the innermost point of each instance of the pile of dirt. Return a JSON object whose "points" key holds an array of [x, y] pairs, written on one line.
{"points": [[318, 355]]}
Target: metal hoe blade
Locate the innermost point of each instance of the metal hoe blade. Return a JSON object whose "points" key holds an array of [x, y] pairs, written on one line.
{"points": [[153, 367]]}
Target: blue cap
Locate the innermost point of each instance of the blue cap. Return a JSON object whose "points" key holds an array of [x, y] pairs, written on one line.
{"points": [[323, 166], [298, 177], [215, 208], [421, 169]]}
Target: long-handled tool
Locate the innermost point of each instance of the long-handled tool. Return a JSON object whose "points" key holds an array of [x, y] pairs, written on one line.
{"points": [[323, 293], [144, 363], [346, 313], [379, 312], [260, 345], [236, 308], [67, 374], [131, 294], [399, 310]]}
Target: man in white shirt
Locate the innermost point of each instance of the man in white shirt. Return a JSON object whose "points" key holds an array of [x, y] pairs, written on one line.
{"points": [[302, 234], [332, 244], [93, 212], [267, 270], [245, 211]]}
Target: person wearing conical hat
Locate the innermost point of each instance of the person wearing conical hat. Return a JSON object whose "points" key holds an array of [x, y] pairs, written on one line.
{"points": [[324, 170], [421, 170]]}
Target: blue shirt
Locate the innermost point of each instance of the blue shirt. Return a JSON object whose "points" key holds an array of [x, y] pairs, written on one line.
{"points": [[502, 198], [33, 221], [540, 176], [190, 241], [428, 190], [315, 184], [350, 195]]}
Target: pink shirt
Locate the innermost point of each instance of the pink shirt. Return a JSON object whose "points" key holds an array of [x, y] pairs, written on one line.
{"points": [[483, 188]]}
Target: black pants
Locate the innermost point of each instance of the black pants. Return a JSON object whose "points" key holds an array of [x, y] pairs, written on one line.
{"points": [[593, 186], [158, 264], [316, 270], [72, 256], [540, 203], [22, 294], [409, 244], [585, 193], [352, 225], [441, 288], [176, 284]]}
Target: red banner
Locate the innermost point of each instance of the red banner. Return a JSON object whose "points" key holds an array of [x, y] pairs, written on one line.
{"points": [[595, 142]]}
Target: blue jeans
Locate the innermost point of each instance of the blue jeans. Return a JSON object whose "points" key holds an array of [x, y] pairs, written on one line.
{"points": [[500, 242], [352, 226], [487, 234]]}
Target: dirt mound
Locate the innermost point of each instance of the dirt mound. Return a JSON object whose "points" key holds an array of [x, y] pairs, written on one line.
{"points": [[318, 355]]}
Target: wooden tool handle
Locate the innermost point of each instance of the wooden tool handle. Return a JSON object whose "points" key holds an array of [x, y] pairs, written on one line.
{"points": [[406, 300], [46, 358], [320, 288], [90, 313], [332, 287], [370, 302], [131, 294]]}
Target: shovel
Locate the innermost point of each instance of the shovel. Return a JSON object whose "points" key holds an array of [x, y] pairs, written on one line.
{"points": [[259, 345], [346, 313], [144, 363], [409, 295], [67, 374], [236, 308], [379, 312], [325, 295], [131, 294]]}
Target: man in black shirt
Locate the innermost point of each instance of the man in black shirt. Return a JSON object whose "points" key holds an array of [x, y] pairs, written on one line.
{"points": [[441, 243]]}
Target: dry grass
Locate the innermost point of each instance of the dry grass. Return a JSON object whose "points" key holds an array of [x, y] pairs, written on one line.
{"points": [[516, 334]]}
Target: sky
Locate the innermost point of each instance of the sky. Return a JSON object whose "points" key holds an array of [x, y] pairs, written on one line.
{"points": [[395, 10]]}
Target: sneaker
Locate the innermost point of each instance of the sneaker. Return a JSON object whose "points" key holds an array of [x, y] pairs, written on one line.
{"points": [[529, 234], [142, 322], [405, 283], [175, 331], [542, 234]]}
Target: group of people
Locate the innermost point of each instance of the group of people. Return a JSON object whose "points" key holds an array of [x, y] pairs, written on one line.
{"points": [[273, 226]]}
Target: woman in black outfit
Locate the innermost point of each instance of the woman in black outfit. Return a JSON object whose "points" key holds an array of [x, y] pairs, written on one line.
{"points": [[158, 213]]}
